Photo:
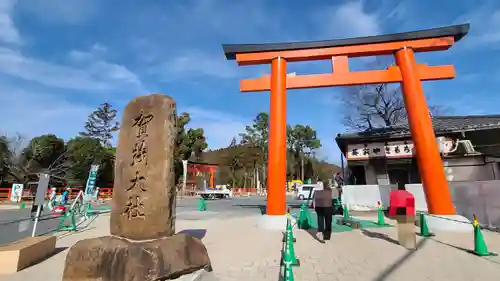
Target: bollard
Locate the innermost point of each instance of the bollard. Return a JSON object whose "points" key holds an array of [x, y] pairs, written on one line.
{"points": [[22, 205]]}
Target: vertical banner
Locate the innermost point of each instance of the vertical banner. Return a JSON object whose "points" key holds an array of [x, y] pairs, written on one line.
{"points": [[17, 192], [89, 188]]}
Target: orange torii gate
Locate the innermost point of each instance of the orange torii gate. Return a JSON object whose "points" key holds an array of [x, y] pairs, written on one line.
{"points": [[195, 167], [406, 71]]}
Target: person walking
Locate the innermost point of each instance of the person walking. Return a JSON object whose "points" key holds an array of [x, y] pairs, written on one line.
{"points": [[322, 200]]}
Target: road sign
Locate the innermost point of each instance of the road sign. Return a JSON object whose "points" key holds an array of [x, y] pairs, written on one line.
{"points": [[41, 190], [17, 192]]}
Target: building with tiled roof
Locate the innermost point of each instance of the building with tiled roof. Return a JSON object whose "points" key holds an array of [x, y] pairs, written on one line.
{"points": [[470, 147]]}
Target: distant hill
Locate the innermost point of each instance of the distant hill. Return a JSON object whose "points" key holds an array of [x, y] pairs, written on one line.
{"points": [[240, 160]]}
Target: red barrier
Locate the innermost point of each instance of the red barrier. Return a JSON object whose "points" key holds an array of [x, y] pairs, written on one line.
{"points": [[104, 193]]}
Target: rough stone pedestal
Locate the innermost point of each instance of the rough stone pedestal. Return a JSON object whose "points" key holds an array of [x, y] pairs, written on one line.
{"points": [[111, 258], [406, 231]]}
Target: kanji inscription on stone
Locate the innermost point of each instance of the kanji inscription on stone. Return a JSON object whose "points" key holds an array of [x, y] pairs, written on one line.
{"points": [[144, 191], [134, 208], [140, 153]]}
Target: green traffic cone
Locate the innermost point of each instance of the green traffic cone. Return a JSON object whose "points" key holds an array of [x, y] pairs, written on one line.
{"points": [[288, 225], [291, 249], [288, 271], [424, 229], [288, 230], [346, 212], [304, 217], [380, 215], [480, 248]]}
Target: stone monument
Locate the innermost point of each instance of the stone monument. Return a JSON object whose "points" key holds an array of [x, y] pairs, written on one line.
{"points": [[143, 245]]}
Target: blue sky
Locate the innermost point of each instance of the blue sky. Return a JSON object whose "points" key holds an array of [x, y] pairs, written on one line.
{"points": [[59, 59]]}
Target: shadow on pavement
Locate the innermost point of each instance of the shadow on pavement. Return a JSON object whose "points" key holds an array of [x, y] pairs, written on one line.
{"points": [[261, 207], [312, 232], [398, 263], [196, 233], [380, 236], [469, 251]]}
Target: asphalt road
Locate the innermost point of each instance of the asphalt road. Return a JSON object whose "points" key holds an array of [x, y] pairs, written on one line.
{"points": [[17, 224], [234, 207]]}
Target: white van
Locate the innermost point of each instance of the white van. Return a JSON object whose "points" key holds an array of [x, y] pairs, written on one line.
{"points": [[304, 190]]}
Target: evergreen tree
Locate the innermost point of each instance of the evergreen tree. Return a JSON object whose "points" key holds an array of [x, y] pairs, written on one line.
{"points": [[233, 142], [101, 124]]}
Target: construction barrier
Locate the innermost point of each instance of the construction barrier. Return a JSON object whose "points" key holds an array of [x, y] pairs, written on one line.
{"points": [[67, 217]]}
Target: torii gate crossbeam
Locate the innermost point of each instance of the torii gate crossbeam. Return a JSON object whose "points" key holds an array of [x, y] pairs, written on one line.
{"points": [[406, 71]]}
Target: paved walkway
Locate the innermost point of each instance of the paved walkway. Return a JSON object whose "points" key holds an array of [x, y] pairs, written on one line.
{"points": [[241, 252]]}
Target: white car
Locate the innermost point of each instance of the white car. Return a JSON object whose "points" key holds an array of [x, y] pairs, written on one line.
{"points": [[304, 190]]}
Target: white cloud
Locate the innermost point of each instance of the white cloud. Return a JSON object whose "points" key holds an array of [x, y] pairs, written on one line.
{"points": [[198, 63], [90, 74], [241, 19], [203, 64], [8, 30], [485, 26], [399, 12], [61, 11], [219, 127], [347, 20], [33, 114]]}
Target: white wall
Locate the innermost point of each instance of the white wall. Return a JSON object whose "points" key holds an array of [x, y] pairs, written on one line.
{"points": [[471, 168], [365, 197]]}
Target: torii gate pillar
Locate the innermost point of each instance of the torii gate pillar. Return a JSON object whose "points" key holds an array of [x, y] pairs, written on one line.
{"points": [[407, 72]]}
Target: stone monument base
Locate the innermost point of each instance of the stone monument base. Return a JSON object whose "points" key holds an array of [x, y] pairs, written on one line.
{"points": [[113, 258]]}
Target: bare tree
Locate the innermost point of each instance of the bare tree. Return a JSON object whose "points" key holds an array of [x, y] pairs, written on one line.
{"points": [[374, 106], [22, 168]]}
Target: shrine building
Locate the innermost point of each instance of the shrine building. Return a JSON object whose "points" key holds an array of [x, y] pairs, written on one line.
{"points": [[469, 145]]}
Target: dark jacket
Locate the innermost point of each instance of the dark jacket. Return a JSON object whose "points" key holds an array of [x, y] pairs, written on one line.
{"points": [[323, 198]]}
